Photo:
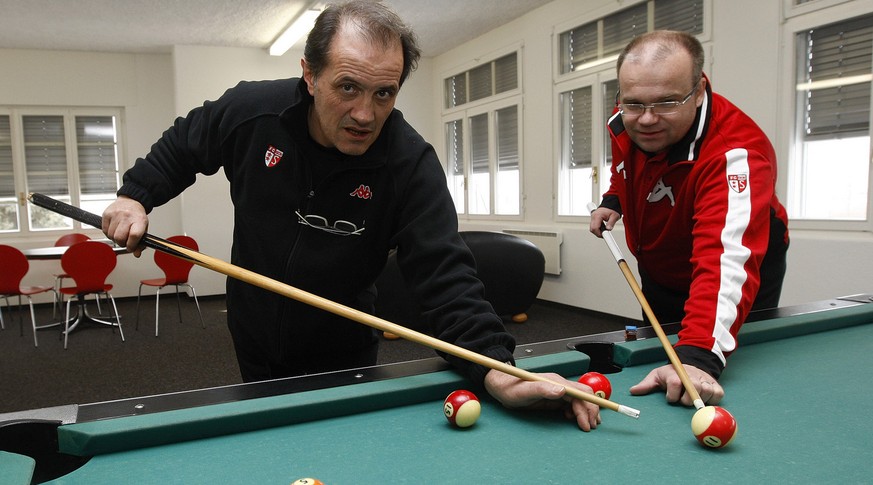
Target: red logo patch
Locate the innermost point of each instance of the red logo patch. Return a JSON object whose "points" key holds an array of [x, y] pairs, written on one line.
{"points": [[738, 182], [362, 192], [273, 156]]}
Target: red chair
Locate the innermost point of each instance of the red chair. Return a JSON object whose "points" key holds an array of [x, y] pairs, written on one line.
{"points": [[88, 263], [176, 271], [68, 240], [15, 266]]}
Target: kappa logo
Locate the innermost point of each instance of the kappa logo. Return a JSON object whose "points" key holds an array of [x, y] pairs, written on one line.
{"points": [[738, 182], [272, 156], [362, 192], [660, 191]]}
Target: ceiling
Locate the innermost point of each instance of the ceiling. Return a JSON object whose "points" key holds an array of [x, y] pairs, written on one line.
{"points": [[152, 26]]}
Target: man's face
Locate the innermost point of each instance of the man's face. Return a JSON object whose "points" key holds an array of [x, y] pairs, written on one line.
{"points": [[355, 92], [654, 82]]}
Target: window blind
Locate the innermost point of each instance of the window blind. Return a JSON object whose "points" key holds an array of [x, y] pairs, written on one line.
{"points": [[455, 146], [578, 46], [507, 138], [833, 52], [583, 44], [610, 88], [578, 106], [456, 90], [479, 143], [45, 154], [480, 82], [620, 27], [7, 181], [682, 15], [506, 73], [98, 161]]}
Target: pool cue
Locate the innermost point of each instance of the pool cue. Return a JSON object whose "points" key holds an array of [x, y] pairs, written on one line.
{"points": [[638, 292], [289, 291]]}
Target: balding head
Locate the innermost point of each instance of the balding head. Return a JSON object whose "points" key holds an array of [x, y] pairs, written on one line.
{"points": [[656, 47]]}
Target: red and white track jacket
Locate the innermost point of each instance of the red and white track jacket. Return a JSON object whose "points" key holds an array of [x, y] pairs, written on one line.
{"points": [[697, 217]]}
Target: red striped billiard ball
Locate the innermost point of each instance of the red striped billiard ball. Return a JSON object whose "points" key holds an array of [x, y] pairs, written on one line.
{"points": [[713, 426], [462, 408], [598, 383]]}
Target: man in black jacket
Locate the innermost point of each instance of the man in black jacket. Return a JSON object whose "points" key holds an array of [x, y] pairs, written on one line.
{"points": [[326, 177]]}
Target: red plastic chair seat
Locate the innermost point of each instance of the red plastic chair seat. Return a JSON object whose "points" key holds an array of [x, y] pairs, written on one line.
{"points": [[15, 267], [176, 271], [89, 263], [65, 241]]}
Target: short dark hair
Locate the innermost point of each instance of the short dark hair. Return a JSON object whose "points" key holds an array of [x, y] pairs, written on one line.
{"points": [[667, 42], [375, 21]]}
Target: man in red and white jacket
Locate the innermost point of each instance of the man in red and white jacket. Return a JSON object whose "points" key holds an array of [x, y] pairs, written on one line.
{"points": [[694, 179]]}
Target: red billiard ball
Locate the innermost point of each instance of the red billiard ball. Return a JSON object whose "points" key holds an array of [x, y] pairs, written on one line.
{"points": [[462, 408], [598, 383], [713, 426]]}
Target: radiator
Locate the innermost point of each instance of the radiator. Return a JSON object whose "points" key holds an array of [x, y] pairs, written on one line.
{"points": [[548, 242]]}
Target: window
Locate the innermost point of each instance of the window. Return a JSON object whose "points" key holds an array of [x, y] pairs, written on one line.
{"points": [[586, 90], [829, 175], [482, 138], [67, 154], [487, 80], [603, 38]]}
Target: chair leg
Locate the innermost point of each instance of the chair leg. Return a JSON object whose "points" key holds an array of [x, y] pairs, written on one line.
{"points": [[57, 307], [20, 320], [194, 294], [117, 317], [138, 294], [67, 323], [157, 309], [179, 303], [32, 320]]}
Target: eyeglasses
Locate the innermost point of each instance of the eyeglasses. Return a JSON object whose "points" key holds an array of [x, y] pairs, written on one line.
{"points": [[632, 110], [340, 228]]}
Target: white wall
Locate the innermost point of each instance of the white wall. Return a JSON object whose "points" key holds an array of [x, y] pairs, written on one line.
{"points": [[153, 89], [746, 39], [139, 84]]}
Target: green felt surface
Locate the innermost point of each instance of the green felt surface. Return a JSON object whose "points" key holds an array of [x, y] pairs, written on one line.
{"points": [[802, 405], [802, 419], [15, 469]]}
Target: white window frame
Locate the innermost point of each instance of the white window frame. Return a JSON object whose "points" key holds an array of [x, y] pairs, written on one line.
{"points": [[809, 16], [16, 114], [597, 72], [601, 171], [470, 109], [791, 9]]}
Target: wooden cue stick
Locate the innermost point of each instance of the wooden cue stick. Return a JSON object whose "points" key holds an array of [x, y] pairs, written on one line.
{"points": [[289, 291], [638, 292]]}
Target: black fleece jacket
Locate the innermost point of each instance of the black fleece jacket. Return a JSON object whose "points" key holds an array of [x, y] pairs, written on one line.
{"points": [[396, 192]]}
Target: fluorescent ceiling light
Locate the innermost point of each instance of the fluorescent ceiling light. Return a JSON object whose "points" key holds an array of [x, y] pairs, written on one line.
{"points": [[300, 27]]}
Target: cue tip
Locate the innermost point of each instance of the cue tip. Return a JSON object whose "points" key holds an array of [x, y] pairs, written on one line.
{"points": [[628, 411]]}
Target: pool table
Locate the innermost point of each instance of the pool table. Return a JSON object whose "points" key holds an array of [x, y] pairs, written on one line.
{"points": [[797, 387]]}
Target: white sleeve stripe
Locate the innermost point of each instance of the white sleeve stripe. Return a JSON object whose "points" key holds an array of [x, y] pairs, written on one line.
{"points": [[699, 129], [735, 255]]}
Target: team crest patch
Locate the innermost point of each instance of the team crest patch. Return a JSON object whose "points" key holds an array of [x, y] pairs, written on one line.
{"points": [[272, 156], [362, 192], [738, 182]]}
